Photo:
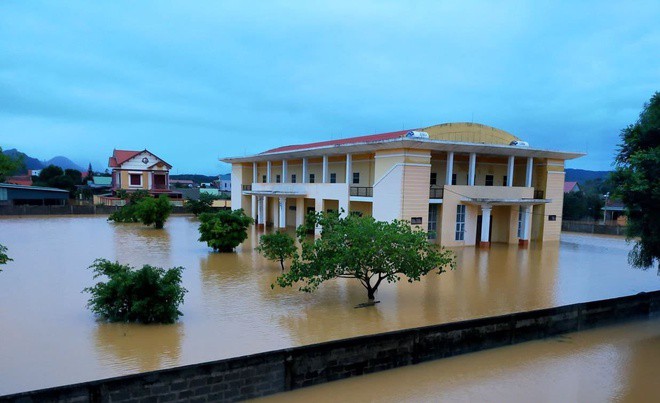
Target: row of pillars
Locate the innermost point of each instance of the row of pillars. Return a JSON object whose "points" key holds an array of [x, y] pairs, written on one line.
{"points": [[526, 221], [349, 168], [325, 177], [472, 169]]}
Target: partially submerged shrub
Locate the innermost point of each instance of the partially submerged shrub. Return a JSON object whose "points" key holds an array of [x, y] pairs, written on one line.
{"points": [[277, 247], [224, 230], [3, 255], [154, 211], [148, 295]]}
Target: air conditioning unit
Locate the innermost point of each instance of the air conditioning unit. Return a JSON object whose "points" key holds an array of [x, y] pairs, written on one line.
{"points": [[417, 135], [519, 143]]}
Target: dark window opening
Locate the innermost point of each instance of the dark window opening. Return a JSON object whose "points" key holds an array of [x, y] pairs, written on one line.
{"points": [[489, 180], [356, 178], [434, 178]]}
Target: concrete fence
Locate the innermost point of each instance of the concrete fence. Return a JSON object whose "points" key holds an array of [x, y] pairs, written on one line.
{"points": [[592, 228], [278, 371], [70, 209]]}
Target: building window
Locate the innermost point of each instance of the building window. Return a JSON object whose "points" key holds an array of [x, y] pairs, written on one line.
{"points": [[416, 220], [311, 178], [135, 179], [278, 179], [263, 179], [433, 222], [434, 178], [293, 178], [552, 217], [520, 223], [356, 178], [504, 180], [333, 178], [460, 222], [453, 179], [489, 180]]}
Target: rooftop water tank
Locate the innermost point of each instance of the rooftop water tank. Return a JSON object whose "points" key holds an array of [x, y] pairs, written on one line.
{"points": [[417, 135], [519, 143]]}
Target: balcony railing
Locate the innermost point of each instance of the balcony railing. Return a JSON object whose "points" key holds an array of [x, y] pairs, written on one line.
{"points": [[538, 194], [436, 193], [362, 191], [247, 187]]}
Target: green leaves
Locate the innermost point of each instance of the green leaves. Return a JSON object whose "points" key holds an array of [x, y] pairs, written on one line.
{"points": [[224, 230], [147, 295], [637, 181], [203, 205], [277, 247], [3, 255], [365, 249], [143, 208]]}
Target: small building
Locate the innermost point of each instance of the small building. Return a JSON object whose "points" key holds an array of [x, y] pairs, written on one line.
{"points": [[614, 211], [139, 170], [34, 172], [570, 187], [25, 180], [100, 182], [224, 182], [18, 195]]}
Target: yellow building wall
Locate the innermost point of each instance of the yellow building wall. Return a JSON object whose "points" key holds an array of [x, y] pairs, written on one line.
{"points": [[415, 200], [361, 207], [469, 132]]}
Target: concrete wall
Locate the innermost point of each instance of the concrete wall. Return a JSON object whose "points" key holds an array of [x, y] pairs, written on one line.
{"points": [[277, 371], [592, 228]]}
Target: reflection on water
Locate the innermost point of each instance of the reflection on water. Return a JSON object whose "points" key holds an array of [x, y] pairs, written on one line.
{"points": [[50, 338], [617, 363]]}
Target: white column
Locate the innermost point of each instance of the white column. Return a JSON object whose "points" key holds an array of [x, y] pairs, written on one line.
{"points": [[509, 171], [318, 207], [260, 208], [325, 169], [526, 221], [268, 171], [265, 212], [473, 169], [282, 212], [254, 173], [285, 165], [253, 207], [528, 174], [304, 171], [450, 168], [485, 224], [300, 211], [349, 168]]}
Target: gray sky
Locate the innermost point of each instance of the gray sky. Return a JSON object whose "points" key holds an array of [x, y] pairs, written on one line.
{"points": [[193, 81]]}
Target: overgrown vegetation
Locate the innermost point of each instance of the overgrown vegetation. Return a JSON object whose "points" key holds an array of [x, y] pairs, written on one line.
{"points": [[203, 205], [364, 249], [224, 230], [141, 207], [8, 165], [637, 181], [148, 295], [3, 255], [277, 246]]}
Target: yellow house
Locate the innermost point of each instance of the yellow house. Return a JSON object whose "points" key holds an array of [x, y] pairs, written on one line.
{"points": [[465, 183], [140, 170]]}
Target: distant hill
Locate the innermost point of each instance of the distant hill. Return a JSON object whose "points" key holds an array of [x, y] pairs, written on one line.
{"points": [[30, 163], [583, 175], [64, 163]]}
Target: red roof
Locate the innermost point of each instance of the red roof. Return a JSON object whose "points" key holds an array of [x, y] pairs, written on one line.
{"points": [[568, 186], [350, 140], [121, 156], [24, 180]]}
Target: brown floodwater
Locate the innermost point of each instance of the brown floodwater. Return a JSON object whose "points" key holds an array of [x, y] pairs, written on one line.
{"points": [[617, 363], [49, 338]]}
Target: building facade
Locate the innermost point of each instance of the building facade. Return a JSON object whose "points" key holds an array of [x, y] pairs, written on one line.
{"points": [[464, 183]]}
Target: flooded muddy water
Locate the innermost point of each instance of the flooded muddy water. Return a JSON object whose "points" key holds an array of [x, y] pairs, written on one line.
{"points": [[617, 363], [49, 338]]}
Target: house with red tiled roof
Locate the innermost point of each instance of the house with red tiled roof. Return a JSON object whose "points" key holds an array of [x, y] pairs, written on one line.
{"points": [[464, 183], [571, 187], [139, 170]]}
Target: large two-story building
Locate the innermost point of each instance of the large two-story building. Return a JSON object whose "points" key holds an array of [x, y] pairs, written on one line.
{"points": [[465, 183]]}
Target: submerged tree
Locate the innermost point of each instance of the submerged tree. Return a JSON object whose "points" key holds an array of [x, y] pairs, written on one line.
{"points": [[364, 249], [147, 295], [154, 211], [3, 255], [278, 247], [8, 165], [202, 205], [224, 230], [637, 181]]}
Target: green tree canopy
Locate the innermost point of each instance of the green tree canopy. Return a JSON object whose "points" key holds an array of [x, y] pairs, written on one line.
{"points": [[224, 230], [8, 165], [364, 249], [3, 255], [637, 182], [202, 205], [154, 211], [277, 246], [147, 295]]}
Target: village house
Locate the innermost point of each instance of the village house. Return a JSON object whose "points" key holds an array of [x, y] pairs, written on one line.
{"points": [[139, 170], [464, 183]]}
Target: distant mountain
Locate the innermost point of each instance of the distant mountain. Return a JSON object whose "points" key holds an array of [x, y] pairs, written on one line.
{"points": [[195, 178], [64, 163], [30, 163], [583, 175]]}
